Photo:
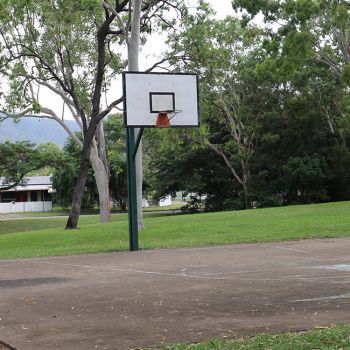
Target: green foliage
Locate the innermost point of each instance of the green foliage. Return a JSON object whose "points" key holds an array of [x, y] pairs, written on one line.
{"points": [[305, 179], [194, 205], [19, 159], [225, 55], [346, 75], [175, 162], [50, 41], [274, 100], [65, 176], [115, 142], [338, 173]]}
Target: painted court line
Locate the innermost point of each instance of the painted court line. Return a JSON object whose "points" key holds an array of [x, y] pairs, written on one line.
{"points": [[292, 249], [134, 271], [332, 297], [339, 267]]}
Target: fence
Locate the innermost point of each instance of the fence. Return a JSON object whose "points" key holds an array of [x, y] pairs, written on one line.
{"points": [[24, 207]]}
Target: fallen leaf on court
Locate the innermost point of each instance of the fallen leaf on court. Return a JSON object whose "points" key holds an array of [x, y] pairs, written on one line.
{"points": [[30, 300]]}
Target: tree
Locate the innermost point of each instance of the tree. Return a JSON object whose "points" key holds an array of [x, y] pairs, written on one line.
{"points": [[270, 108], [307, 57], [115, 145], [65, 175], [310, 36], [62, 46], [19, 159], [175, 163], [68, 47], [225, 54], [139, 20], [64, 178]]}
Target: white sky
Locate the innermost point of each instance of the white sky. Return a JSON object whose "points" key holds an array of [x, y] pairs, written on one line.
{"points": [[223, 8]]}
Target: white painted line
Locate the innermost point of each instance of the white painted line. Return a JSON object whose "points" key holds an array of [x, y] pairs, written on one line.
{"points": [[316, 278], [340, 267], [242, 272], [134, 271], [292, 249], [333, 297]]}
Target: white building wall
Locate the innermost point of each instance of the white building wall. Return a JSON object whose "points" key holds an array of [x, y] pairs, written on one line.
{"points": [[24, 207]]}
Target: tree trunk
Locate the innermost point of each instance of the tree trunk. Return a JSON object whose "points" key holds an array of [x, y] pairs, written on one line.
{"points": [[245, 196], [100, 165], [245, 180], [102, 183], [133, 65], [72, 222], [139, 178]]}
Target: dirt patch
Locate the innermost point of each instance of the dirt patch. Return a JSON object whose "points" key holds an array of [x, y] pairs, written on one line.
{"points": [[9, 216]]}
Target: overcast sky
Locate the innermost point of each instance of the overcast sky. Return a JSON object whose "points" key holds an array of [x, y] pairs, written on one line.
{"points": [[222, 7]]}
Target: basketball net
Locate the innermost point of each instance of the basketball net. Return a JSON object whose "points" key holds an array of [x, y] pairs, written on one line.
{"points": [[163, 120]]}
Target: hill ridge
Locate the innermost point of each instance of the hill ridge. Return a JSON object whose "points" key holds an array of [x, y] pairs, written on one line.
{"points": [[36, 130]]}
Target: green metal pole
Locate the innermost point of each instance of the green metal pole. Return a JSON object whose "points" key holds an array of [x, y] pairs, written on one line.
{"points": [[132, 199]]}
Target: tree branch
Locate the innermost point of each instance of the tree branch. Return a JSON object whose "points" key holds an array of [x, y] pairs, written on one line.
{"points": [[229, 165], [109, 108]]}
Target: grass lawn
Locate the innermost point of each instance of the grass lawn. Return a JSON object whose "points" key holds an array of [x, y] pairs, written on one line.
{"points": [[45, 237], [58, 211], [330, 338]]}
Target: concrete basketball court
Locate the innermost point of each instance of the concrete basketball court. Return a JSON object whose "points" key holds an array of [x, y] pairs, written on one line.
{"points": [[156, 297]]}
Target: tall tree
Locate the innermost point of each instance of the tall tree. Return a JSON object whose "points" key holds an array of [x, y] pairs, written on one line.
{"points": [[65, 175], [271, 108], [141, 16], [309, 36], [63, 47], [64, 178], [69, 48], [225, 54]]}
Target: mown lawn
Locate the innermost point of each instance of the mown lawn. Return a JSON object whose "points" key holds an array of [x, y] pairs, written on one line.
{"points": [[335, 338], [45, 237], [58, 211]]}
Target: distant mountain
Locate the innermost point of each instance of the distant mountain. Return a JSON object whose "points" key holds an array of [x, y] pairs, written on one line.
{"points": [[35, 130]]}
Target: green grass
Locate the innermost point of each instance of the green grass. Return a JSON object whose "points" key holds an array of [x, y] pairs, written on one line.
{"points": [[25, 225], [330, 338], [58, 211], [173, 206], [45, 237]]}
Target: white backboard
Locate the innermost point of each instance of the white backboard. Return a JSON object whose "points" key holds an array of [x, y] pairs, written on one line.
{"points": [[147, 94]]}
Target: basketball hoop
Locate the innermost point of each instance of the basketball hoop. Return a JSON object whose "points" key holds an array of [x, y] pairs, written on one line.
{"points": [[164, 117], [163, 120]]}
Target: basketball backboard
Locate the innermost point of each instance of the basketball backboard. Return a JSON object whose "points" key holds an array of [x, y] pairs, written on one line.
{"points": [[150, 97]]}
